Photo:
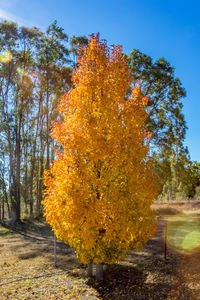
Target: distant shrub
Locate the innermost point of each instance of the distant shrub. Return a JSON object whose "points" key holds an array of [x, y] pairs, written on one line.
{"points": [[197, 192], [162, 211]]}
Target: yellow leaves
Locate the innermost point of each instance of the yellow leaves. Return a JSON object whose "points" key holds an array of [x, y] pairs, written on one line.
{"points": [[100, 187], [145, 100]]}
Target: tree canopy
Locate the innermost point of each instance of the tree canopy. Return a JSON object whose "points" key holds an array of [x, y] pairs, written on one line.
{"points": [[100, 187], [165, 92]]}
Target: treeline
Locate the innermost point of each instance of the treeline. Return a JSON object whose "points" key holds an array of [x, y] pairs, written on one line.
{"points": [[35, 71]]}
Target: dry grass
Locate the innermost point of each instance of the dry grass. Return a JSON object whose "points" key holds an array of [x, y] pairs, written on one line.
{"points": [[27, 272], [175, 207]]}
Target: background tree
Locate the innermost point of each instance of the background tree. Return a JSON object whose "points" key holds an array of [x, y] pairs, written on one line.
{"points": [[75, 43], [165, 92], [54, 79], [165, 120], [16, 98], [51, 55], [100, 187], [34, 72]]}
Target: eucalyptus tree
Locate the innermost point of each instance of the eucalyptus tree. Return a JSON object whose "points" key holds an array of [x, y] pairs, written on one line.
{"points": [[75, 43], [166, 120], [165, 92], [34, 73], [53, 55], [15, 99]]}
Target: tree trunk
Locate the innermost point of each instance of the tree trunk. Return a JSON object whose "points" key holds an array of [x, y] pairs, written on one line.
{"points": [[3, 212], [12, 180], [90, 269], [38, 208], [47, 122], [6, 199], [36, 157], [170, 193], [26, 177], [99, 272], [5, 196], [18, 170], [0, 208], [31, 182], [41, 173]]}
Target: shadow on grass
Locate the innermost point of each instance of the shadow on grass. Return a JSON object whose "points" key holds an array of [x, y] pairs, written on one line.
{"points": [[120, 282], [166, 211], [29, 255], [131, 279], [32, 249], [4, 231], [126, 282], [31, 278], [142, 275], [67, 260], [132, 282], [40, 231]]}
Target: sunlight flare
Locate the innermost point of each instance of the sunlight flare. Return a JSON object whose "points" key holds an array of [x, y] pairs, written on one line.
{"points": [[5, 57], [183, 233]]}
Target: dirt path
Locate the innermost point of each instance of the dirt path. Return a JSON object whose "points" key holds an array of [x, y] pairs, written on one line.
{"points": [[27, 272]]}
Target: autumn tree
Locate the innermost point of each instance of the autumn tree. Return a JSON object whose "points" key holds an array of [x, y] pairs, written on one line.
{"points": [[100, 188]]}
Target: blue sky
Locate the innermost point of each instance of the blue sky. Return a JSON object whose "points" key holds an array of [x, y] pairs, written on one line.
{"points": [[156, 27]]}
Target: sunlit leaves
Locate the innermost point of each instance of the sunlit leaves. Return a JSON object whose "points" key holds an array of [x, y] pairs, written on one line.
{"points": [[100, 188]]}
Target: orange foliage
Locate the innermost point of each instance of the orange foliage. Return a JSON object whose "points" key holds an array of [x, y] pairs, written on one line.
{"points": [[100, 188]]}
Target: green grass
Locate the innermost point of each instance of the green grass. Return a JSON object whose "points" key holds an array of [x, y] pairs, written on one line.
{"points": [[4, 230]]}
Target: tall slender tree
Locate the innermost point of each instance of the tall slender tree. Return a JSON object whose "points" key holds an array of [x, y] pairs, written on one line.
{"points": [[75, 43], [34, 72], [165, 92], [166, 119], [100, 188]]}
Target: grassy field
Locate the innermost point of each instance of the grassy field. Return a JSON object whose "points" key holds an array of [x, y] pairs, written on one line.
{"points": [[27, 271]]}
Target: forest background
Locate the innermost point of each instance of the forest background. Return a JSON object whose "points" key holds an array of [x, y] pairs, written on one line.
{"points": [[35, 71]]}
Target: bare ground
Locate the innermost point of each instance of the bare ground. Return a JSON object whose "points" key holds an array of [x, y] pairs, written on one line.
{"points": [[27, 271]]}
